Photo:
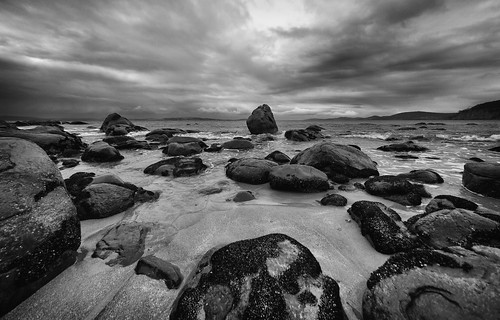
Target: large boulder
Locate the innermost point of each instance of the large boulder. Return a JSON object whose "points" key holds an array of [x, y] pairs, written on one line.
{"points": [[182, 149], [337, 161], [177, 167], [253, 171], [239, 144], [298, 177], [100, 151], [270, 277], [423, 175], [39, 228], [126, 142], [456, 284], [116, 125], [397, 189], [382, 227], [483, 178], [262, 121], [52, 139], [403, 147]]}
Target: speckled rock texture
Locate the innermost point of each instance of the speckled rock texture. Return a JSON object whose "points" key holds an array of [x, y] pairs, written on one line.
{"points": [[403, 147], [424, 176], [383, 227], [397, 189], [100, 151], [39, 228], [339, 162], [270, 277], [444, 201], [262, 121], [336, 200], [177, 167], [457, 284], [157, 268], [298, 178], [250, 170], [483, 178]]}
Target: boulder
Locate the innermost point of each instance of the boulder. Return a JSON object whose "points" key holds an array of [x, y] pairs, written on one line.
{"points": [[252, 171], [123, 244], [449, 202], [70, 163], [403, 147], [39, 228], [304, 134], [126, 142], [446, 227], [163, 134], [334, 200], [182, 149], [339, 162], [262, 121], [270, 277], [496, 149], [299, 178], [178, 139], [454, 284], [382, 227], [177, 167], [116, 125], [278, 157], [424, 176], [100, 151], [397, 189], [483, 178], [160, 269], [239, 144], [243, 196]]}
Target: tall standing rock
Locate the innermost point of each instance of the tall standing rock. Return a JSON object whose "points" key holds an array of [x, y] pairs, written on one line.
{"points": [[39, 229], [262, 121]]}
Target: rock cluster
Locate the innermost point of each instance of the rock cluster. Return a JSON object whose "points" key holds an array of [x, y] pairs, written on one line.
{"points": [[116, 125]]}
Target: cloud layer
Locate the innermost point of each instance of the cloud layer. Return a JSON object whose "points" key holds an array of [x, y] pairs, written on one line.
{"points": [[85, 59]]}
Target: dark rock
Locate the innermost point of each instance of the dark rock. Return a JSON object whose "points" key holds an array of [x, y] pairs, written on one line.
{"points": [[160, 269], [420, 138], [315, 128], [243, 196], [183, 140], [299, 178], [265, 137], [77, 122], [100, 151], [334, 200], [182, 149], [242, 138], [37, 123], [126, 142], [238, 144], [39, 229], [163, 134], [434, 284], [424, 175], [262, 121], [449, 202], [210, 190], [495, 149], [475, 159], [70, 163], [103, 200], [406, 129], [337, 160], [392, 138], [177, 167], [405, 156], [271, 277], [116, 125], [124, 243], [304, 134], [403, 147], [253, 171], [359, 185], [278, 157], [383, 227], [483, 178], [214, 147], [348, 187], [397, 189], [143, 195]]}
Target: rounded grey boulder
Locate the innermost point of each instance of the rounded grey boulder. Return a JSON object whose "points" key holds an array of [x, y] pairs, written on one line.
{"points": [[297, 177], [262, 121], [483, 178], [252, 171]]}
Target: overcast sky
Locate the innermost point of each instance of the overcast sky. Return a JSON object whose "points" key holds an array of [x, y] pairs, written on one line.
{"points": [[321, 58]]}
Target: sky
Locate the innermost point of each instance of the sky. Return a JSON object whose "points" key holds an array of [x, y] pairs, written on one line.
{"points": [[74, 59]]}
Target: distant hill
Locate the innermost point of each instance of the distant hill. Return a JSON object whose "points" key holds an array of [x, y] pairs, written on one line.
{"points": [[416, 115], [484, 111]]}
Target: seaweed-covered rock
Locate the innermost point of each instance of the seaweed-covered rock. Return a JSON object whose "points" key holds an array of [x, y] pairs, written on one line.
{"points": [[39, 228], [270, 277], [182, 149], [334, 200], [397, 189], [177, 167], [100, 151], [483, 178], [160, 269], [298, 177], [446, 228], [449, 202], [278, 157], [262, 121], [425, 176], [116, 125], [126, 142], [250, 170], [431, 284], [339, 162], [403, 147], [123, 244], [239, 144], [383, 227]]}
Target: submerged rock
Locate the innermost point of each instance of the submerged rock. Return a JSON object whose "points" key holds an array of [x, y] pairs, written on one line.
{"points": [[383, 227], [116, 125], [424, 175], [100, 151], [271, 277], [239, 144], [262, 121], [250, 170], [431, 284], [403, 147], [339, 162], [177, 167], [278, 157], [483, 178], [397, 189], [160, 269], [334, 200], [299, 178], [39, 228]]}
